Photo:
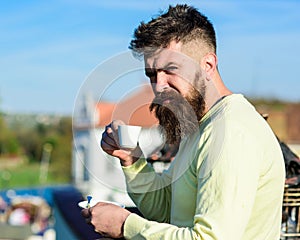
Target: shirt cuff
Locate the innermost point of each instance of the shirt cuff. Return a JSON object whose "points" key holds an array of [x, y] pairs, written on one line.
{"points": [[131, 171], [133, 226]]}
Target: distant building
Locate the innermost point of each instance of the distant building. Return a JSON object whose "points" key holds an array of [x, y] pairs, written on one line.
{"points": [[94, 172]]}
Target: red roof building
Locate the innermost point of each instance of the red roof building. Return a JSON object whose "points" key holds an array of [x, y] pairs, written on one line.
{"points": [[133, 110]]}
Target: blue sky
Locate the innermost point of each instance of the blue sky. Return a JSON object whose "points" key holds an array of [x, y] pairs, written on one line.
{"points": [[49, 48]]}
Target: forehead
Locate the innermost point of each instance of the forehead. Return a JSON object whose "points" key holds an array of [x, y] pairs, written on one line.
{"points": [[172, 54]]}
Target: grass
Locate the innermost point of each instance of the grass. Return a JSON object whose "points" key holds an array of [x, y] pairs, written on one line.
{"points": [[28, 175]]}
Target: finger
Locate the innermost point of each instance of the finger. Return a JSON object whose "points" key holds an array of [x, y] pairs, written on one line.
{"points": [[108, 148], [101, 233], [88, 220], [114, 127], [111, 132], [108, 138], [85, 213], [115, 124]]}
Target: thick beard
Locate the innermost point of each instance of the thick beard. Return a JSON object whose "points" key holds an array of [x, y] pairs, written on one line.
{"points": [[179, 116]]}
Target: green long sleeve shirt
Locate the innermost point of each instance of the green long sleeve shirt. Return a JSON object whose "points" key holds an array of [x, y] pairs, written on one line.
{"points": [[226, 182]]}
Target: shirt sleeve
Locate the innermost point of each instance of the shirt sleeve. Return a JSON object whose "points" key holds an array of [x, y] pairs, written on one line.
{"points": [[136, 227], [149, 191]]}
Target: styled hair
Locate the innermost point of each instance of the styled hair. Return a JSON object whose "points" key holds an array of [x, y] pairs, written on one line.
{"points": [[181, 23]]}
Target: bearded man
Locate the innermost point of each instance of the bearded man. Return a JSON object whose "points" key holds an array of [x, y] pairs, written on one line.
{"points": [[227, 179]]}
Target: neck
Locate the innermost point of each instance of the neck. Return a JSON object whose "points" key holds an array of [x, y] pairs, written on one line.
{"points": [[215, 90]]}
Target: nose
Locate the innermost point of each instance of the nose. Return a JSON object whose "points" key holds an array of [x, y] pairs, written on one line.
{"points": [[161, 82]]}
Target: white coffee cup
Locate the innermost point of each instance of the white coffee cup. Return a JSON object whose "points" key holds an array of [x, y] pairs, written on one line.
{"points": [[128, 136]]}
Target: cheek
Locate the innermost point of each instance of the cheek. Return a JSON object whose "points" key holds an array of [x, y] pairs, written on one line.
{"points": [[190, 77], [182, 86]]}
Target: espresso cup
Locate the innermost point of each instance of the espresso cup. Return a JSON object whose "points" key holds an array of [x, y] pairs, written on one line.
{"points": [[128, 136]]}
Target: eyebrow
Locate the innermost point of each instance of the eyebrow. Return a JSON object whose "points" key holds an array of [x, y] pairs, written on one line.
{"points": [[170, 63], [150, 71]]}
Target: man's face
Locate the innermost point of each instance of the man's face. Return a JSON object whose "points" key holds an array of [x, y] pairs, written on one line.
{"points": [[178, 85]]}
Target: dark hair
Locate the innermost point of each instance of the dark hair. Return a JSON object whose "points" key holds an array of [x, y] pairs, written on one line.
{"points": [[180, 23]]}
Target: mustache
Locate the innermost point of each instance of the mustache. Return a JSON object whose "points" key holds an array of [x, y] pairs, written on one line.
{"points": [[164, 96]]}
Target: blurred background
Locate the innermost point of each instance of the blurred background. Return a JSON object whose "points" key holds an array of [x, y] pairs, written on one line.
{"points": [[51, 122]]}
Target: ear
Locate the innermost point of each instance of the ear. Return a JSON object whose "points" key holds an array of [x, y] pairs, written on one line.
{"points": [[209, 65]]}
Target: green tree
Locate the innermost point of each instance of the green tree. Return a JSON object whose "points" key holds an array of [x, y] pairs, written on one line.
{"points": [[31, 143], [62, 149], [8, 142]]}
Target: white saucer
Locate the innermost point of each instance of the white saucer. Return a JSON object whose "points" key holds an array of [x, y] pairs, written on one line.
{"points": [[84, 204]]}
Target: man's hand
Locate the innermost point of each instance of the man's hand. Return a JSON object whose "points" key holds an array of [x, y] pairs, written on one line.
{"points": [[110, 144], [108, 219]]}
